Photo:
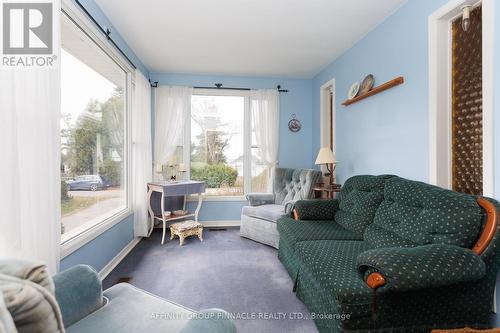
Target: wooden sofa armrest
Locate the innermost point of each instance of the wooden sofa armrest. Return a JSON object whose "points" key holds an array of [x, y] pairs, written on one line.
{"points": [[375, 280], [490, 226]]}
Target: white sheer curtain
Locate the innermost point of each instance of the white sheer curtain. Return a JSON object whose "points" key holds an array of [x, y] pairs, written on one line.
{"points": [[30, 146], [172, 108], [264, 106], [142, 153]]}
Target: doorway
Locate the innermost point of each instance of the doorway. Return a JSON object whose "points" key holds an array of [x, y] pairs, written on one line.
{"points": [[327, 119], [460, 96]]}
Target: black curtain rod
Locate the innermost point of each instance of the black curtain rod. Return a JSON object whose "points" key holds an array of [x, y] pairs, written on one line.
{"points": [[106, 32], [224, 88], [219, 86]]}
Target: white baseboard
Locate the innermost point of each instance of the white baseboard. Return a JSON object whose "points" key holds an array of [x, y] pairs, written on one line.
{"points": [[221, 224], [118, 258], [213, 224]]}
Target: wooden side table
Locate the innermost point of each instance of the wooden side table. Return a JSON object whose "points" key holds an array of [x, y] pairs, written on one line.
{"points": [[174, 188], [328, 190]]}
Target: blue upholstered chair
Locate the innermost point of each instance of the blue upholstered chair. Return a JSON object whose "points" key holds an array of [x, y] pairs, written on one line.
{"points": [[258, 220], [73, 301]]}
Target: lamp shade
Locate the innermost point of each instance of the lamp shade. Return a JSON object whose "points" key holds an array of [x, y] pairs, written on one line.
{"points": [[325, 156]]}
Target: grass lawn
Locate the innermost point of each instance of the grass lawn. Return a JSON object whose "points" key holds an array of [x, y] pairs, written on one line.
{"points": [[76, 204]]}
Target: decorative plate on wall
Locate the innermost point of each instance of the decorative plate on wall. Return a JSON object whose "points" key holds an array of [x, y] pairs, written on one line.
{"points": [[353, 91], [367, 84], [294, 124]]}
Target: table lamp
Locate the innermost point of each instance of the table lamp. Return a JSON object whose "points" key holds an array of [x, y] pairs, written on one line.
{"points": [[159, 170], [326, 157]]}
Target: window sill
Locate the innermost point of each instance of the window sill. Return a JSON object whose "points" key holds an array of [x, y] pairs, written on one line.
{"points": [[76, 241], [207, 198]]}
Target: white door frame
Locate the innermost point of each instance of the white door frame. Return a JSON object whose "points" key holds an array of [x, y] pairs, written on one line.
{"points": [[324, 139], [440, 92], [325, 89]]}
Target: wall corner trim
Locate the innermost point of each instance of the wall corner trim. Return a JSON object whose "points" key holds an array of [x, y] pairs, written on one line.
{"points": [[118, 258]]}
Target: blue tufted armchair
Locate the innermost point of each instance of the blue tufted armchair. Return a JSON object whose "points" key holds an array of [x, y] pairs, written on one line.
{"points": [[258, 220]]}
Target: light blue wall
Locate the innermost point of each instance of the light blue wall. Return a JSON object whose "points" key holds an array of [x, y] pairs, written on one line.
{"points": [[295, 148], [386, 133], [219, 210], [98, 252], [102, 249]]}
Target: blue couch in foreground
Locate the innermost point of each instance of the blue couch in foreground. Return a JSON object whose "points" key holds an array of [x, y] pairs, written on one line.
{"points": [[74, 302]]}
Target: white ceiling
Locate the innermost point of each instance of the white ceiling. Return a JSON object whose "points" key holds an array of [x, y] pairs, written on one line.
{"points": [[274, 38]]}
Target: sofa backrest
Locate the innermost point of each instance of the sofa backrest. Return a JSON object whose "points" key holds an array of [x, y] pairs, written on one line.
{"points": [[27, 290], [414, 213], [7, 324], [358, 200], [294, 184]]}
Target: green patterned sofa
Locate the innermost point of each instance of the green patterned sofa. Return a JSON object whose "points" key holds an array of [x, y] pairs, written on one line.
{"points": [[393, 255]]}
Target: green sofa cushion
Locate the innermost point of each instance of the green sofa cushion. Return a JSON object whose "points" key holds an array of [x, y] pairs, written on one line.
{"points": [[359, 199], [421, 267], [415, 213], [316, 209], [286, 254], [329, 283], [293, 231], [331, 266]]}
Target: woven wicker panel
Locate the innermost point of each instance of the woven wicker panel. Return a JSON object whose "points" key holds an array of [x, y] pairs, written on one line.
{"points": [[467, 112]]}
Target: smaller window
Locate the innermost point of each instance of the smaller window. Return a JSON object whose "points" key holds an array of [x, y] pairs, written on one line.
{"points": [[217, 143]]}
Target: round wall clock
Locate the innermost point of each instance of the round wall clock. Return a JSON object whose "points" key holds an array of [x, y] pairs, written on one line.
{"points": [[353, 91], [294, 124], [367, 84]]}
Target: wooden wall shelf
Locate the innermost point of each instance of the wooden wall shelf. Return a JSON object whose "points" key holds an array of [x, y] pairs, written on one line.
{"points": [[388, 85]]}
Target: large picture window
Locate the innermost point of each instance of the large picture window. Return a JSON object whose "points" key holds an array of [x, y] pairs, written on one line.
{"points": [[93, 132]]}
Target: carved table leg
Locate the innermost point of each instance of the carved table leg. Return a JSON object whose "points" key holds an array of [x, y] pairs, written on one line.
{"points": [[162, 205], [181, 239], [171, 234], [164, 231], [198, 207], [200, 234], [150, 210]]}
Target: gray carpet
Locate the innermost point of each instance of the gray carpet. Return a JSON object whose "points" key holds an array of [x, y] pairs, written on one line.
{"points": [[224, 271]]}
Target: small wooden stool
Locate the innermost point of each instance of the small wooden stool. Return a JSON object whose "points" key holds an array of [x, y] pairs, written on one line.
{"points": [[186, 229]]}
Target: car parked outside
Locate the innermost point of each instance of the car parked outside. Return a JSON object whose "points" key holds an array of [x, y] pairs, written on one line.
{"points": [[88, 183]]}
